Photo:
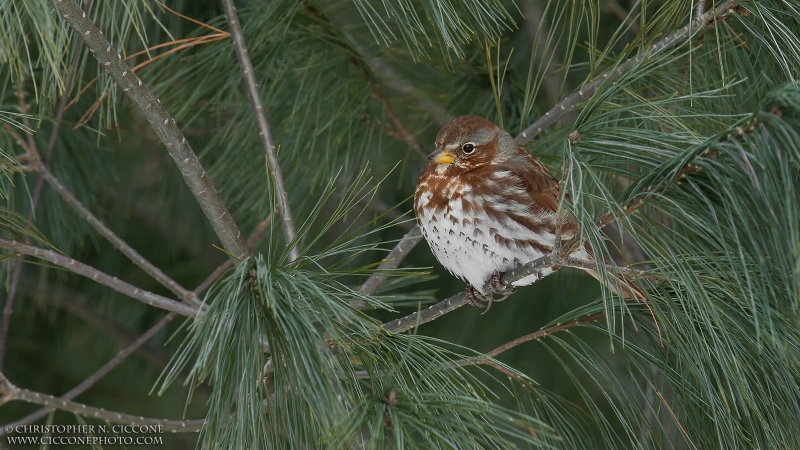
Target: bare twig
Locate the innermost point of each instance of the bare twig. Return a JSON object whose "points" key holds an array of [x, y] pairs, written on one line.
{"points": [[707, 20], [16, 271], [97, 224], [289, 232], [392, 260], [101, 372], [100, 277], [9, 392], [8, 308], [402, 132], [112, 237], [163, 124], [535, 336]]}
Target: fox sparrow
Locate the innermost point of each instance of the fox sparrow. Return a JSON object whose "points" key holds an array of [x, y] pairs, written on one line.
{"points": [[486, 206]]}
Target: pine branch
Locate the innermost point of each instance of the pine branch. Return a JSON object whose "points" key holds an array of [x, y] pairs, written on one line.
{"points": [[163, 124], [456, 301], [100, 373], [9, 392], [100, 277], [702, 22], [535, 336], [705, 21], [289, 232]]}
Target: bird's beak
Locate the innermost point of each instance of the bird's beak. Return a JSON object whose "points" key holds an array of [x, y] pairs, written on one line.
{"points": [[442, 156]]}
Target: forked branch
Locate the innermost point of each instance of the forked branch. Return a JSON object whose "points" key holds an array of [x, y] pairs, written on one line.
{"points": [[100, 373], [9, 392], [163, 124], [100, 277], [282, 197]]}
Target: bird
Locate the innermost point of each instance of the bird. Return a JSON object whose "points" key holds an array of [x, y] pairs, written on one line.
{"points": [[485, 206]]}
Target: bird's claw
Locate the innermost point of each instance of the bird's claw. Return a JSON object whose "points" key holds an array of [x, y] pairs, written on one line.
{"points": [[495, 286]]}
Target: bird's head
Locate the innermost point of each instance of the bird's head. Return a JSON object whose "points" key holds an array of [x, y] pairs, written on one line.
{"points": [[469, 142]]}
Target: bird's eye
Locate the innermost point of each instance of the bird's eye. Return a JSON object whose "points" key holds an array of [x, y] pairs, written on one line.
{"points": [[468, 148]]}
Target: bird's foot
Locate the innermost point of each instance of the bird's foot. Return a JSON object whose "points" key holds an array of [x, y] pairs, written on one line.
{"points": [[473, 297], [495, 286]]}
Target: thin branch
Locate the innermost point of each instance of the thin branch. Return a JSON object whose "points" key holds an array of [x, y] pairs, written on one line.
{"points": [[16, 271], [100, 277], [396, 82], [433, 312], [488, 358], [552, 260], [544, 332], [8, 308], [392, 260], [289, 232], [97, 224], [402, 132], [705, 21], [10, 392], [112, 237], [163, 124], [690, 167], [584, 264], [101, 372]]}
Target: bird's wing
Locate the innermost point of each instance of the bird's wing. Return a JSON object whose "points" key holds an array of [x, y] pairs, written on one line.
{"points": [[540, 186]]}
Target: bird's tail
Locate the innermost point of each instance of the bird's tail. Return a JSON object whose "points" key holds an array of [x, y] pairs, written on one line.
{"points": [[620, 284]]}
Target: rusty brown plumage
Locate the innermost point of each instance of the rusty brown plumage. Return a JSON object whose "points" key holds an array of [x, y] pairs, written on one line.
{"points": [[485, 205]]}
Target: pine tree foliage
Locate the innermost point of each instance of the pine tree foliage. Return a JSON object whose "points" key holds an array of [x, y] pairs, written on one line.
{"points": [[691, 149]]}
